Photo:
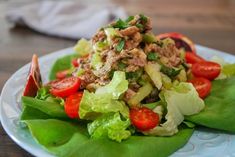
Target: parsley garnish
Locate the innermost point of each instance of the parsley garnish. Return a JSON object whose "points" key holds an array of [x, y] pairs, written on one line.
{"points": [[152, 56], [120, 45], [171, 72], [121, 24]]}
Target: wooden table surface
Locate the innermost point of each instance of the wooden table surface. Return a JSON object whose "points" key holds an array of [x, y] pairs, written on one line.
{"points": [[210, 23]]}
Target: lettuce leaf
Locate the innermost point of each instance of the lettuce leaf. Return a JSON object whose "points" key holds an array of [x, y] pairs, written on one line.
{"points": [[83, 47], [116, 87], [181, 100], [52, 109], [94, 105], [66, 139], [219, 107], [110, 125]]}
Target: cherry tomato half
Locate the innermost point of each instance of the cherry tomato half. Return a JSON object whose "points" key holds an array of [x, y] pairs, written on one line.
{"points": [[193, 58], [181, 41], [143, 118], [202, 85], [209, 70], [65, 87], [62, 74], [75, 62], [72, 104]]}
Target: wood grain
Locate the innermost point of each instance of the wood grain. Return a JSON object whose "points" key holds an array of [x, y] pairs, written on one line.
{"points": [[210, 23]]}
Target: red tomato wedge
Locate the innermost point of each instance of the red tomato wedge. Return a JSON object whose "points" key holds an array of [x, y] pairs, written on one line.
{"points": [[209, 70], [75, 62], [65, 87], [72, 104], [62, 74], [202, 85], [193, 58], [181, 41], [34, 80], [143, 118]]}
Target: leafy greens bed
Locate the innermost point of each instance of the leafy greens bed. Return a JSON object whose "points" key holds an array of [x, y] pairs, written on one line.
{"points": [[64, 137]]}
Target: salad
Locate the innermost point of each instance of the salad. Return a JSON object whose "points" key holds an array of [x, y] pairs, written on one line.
{"points": [[129, 91]]}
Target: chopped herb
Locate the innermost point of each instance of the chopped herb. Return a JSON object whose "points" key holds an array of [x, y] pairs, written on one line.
{"points": [[149, 38], [121, 24], [152, 56], [143, 18], [140, 26], [134, 75], [121, 65], [130, 18], [171, 72], [120, 45], [111, 73]]}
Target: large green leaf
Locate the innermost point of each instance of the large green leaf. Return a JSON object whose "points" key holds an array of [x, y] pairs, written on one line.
{"points": [[67, 139], [52, 109], [219, 112], [62, 63]]}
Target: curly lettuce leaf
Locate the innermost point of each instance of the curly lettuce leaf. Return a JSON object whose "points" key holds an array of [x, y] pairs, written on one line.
{"points": [[110, 125], [83, 47], [66, 139], [116, 87], [94, 105], [181, 100], [219, 107]]}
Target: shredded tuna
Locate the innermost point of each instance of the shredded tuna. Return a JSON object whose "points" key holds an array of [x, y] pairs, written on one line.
{"points": [[128, 94], [129, 31]]}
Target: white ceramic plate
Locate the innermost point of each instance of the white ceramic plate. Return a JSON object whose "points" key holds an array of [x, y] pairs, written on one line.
{"points": [[204, 142]]}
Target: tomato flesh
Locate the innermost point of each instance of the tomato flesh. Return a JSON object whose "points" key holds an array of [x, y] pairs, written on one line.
{"points": [[75, 62], [193, 58], [181, 41], [62, 74], [72, 104], [202, 85], [209, 70], [143, 118], [65, 87]]}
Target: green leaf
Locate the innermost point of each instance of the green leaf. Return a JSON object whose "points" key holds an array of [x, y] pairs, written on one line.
{"points": [[60, 64], [171, 72], [149, 38], [55, 110], [117, 86], [83, 47], [121, 65], [130, 18], [110, 125], [32, 113], [220, 107], [65, 139], [120, 45], [152, 56], [94, 105], [121, 24], [143, 18], [229, 70]]}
